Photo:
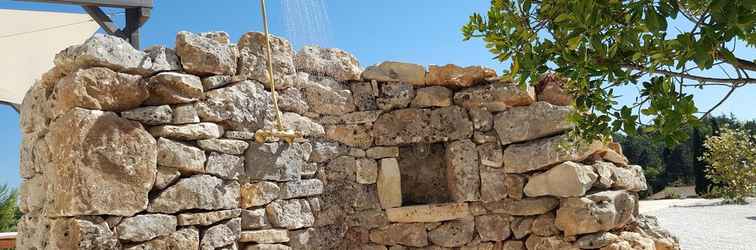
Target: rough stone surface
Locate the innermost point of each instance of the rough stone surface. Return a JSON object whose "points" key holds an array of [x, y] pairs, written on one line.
{"points": [[327, 100], [494, 97], [104, 51], [363, 117], [185, 114], [225, 166], [435, 96], [365, 94], [453, 233], [290, 214], [243, 106], [197, 192], [95, 147], [180, 156], [266, 236], [482, 119], [217, 81], [543, 225], [568, 179], [604, 172], [382, 152], [429, 213], [332, 62], [303, 124], [537, 242], [174, 88], [366, 171], [396, 72], [165, 177], [408, 126], [521, 226], [456, 77], [301, 188], [596, 240], [150, 115], [206, 218], [226, 146], [254, 219], [463, 171], [493, 227], [595, 212], [524, 207], [258, 194], [493, 185], [253, 59], [395, 95], [71, 233], [292, 100], [389, 183], [276, 161], [146, 227], [187, 238], [550, 88], [197, 131], [221, 235], [204, 56], [531, 122], [323, 151], [99, 89], [541, 153], [490, 155], [407, 234], [351, 135]]}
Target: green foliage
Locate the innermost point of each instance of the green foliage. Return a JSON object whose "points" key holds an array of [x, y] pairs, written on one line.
{"points": [[731, 156], [604, 45], [9, 213]]}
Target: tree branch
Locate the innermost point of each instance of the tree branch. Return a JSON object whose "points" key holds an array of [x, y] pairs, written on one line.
{"points": [[729, 93], [729, 81]]}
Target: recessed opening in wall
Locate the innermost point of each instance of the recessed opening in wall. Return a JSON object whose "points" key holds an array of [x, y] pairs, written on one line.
{"points": [[423, 173]]}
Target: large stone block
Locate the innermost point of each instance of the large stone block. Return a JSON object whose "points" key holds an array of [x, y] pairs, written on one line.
{"points": [[104, 51], [463, 172], [243, 106], [435, 96], [396, 72], [145, 227], [407, 234], [225, 166], [429, 213], [568, 179], [352, 135], [276, 161], [596, 212], [99, 89], [258, 194], [539, 154], [328, 100], [493, 227], [187, 238], [206, 218], [188, 132], [395, 96], [290, 214], [163, 59], [389, 183], [226, 146], [407, 126], [221, 235], [180, 156], [150, 115], [455, 233], [523, 207], [202, 192], [174, 88], [265, 236], [365, 94], [494, 97], [550, 88], [458, 77], [332, 62], [531, 122], [103, 164], [253, 59], [205, 56], [71, 233], [301, 188]]}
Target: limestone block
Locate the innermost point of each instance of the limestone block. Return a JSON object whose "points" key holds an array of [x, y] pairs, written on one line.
{"points": [[596, 212], [604, 170], [107, 51], [463, 173], [454, 233], [276, 161], [493, 227], [429, 213], [197, 192], [323, 151], [363, 117], [330, 101], [395, 96], [543, 225], [180, 156], [568, 179], [258, 194], [434, 96], [226, 146], [482, 119], [150, 115], [145, 227], [396, 72], [225, 166], [332, 62], [185, 114], [206, 218], [352, 135], [266, 236], [550, 88], [243, 106], [409, 126], [541, 153], [205, 56], [531, 122], [98, 89], [302, 124], [254, 219], [253, 59], [70, 233], [301, 188], [365, 94], [221, 235], [553, 242], [290, 214], [366, 171], [458, 77], [407, 234], [524, 207], [186, 238], [382, 152], [197, 131], [521, 226], [494, 97], [292, 100], [174, 88], [596, 240], [389, 183]]}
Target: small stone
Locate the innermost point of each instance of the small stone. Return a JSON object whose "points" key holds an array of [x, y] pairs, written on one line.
{"points": [[382, 152], [455, 233], [303, 238], [521, 226], [604, 170], [631, 179], [543, 225], [492, 184], [513, 245], [197, 192], [276, 161], [463, 173], [221, 235], [485, 137], [541, 153], [329, 101], [187, 238], [617, 158], [637, 240], [185, 114], [531, 122], [435, 96], [204, 56], [239, 135], [490, 155], [396, 72], [596, 240], [151, 115], [309, 169], [206, 218], [180, 156], [494, 97], [356, 152], [332, 62], [365, 94], [258, 194], [301, 188], [553, 242], [146, 227], [407, 234], [361, 117], [568, 179], [482, 119], [429, 213], [292, 100], [395, 96], [389, 183], [290, 214], [457, 77], [165, 177], [254, 219], [352, 135], [524, 207], [302, 124], [226, 166], [226, 146], [268, 247], [218, 36], [217, 81], [266, 236], [196, 131], [550, 88], [493, 227], [163, 59], [174, 88], [366, 171], [323, 151], [596, 212], [70, 233]]}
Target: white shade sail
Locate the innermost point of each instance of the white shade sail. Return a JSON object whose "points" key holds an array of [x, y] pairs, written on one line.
{"points": [[29, 41]]}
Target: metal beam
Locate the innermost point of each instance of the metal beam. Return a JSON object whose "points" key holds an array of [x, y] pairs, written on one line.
{"points": [[101, 3], [102, 19]]}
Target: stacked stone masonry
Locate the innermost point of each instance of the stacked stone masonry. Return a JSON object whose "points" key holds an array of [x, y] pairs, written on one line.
{"points": [[154, 149]]}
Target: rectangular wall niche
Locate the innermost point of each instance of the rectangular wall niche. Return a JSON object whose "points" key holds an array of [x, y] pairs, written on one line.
{"points": [[423, 174]]}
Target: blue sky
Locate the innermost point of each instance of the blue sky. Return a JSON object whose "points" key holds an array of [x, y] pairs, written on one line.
{"points": [[419, 31]]}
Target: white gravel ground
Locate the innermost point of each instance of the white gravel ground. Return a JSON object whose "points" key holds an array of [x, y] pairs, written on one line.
{"points": [[704, 224]]}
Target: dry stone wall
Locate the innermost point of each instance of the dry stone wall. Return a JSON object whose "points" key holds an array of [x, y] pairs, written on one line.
{"points": [[154, 149]]}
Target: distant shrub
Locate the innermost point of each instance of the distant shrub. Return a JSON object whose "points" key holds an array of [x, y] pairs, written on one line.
{"points": [[731, 159]]}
